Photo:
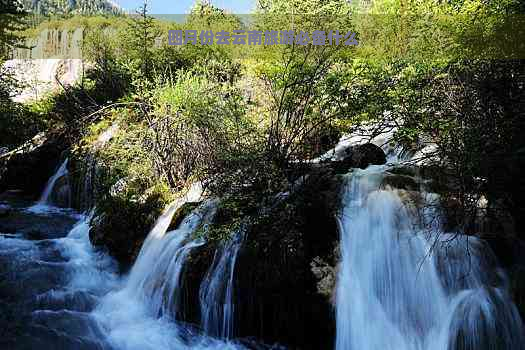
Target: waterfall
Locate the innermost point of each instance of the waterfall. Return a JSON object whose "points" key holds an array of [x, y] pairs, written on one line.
{"points": [[216, 290], [149, 297], [55, 54], [45, 198], [52, 43], [92, 270], [403, 286], [66, 294], [40, 77], [157, 272]]}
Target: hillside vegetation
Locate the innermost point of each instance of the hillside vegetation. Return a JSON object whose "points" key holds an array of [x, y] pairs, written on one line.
{"points": [[244, 120]]}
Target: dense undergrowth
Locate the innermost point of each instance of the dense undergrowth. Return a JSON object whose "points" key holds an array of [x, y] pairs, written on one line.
{"points": [[243, 121]]}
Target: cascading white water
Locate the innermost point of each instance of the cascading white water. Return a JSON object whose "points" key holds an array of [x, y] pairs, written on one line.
{"points": [[156, 275], [141, 314], [155, 244], [92, 270], [402, 287], [61, 172], [217, 290], [137, 315]]}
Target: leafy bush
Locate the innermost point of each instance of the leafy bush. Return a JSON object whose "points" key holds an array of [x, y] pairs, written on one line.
{"points": [[194, 123], [18, 124]]}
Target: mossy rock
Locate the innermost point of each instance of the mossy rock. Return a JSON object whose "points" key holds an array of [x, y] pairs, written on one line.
{"points": [[274, 277], [121, 225], [181, 214], [359, 156], [276, 262]]}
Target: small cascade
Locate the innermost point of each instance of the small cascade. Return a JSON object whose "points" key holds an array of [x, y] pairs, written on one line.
{"points": [[154, 243], [156, 275], [47, 195], [149, 298], [88, 189], [402, 286], [93, 270], [216, 294]]}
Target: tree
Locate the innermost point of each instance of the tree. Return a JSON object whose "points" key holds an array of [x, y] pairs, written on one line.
{"points": [[11, 20], [301, 78], [141, 36]]}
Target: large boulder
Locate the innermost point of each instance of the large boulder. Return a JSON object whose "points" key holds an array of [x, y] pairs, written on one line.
{"points": [[277, 272], [403, 182], [359, 156]]}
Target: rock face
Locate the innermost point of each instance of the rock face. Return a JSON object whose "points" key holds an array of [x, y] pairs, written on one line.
{"points": [[364, 155], [404, 182], [360, 156], [61, 195], [277, 291], [326, 275], [286, 269], [29, 168]]}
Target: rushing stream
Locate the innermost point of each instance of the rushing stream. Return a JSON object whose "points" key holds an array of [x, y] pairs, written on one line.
{"points": [[403, 284], [57, 292]]}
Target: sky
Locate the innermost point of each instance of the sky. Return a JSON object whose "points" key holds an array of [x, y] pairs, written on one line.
{"points": [[184, 6]]}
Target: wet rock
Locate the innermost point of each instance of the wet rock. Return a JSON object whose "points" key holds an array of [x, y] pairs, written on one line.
{"points": [[120, 226], [359, 156], [326, 276], [517, 287], [364, 155], [181, 213], [61, 194], [403, 182], [29, 167], [197, 264], [274, 279], [407, 170]]}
